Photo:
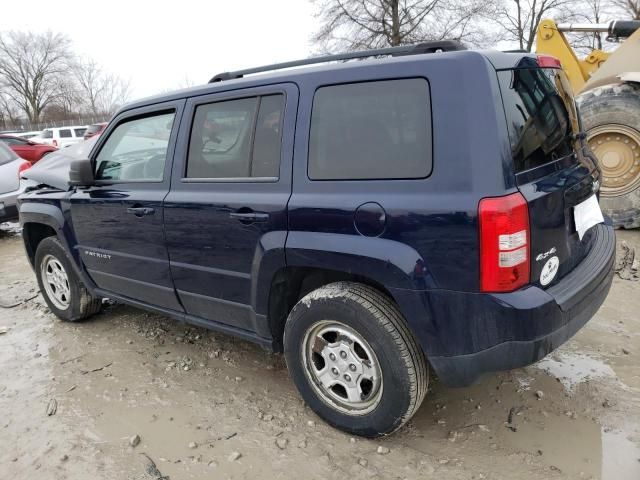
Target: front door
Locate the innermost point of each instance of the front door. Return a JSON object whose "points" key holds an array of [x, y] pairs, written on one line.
{"points": [[226, 214], [118, 221]]}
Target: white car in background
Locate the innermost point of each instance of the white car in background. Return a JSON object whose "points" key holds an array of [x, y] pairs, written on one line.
{"points": [[62, 136], [11, 185]]}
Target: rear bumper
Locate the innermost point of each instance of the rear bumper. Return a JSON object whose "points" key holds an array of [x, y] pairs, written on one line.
{"points": [[470, 334]]}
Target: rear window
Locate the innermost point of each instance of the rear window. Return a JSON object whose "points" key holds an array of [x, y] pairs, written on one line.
{"points": [[541, 115], [47, 134], [372, 130]]}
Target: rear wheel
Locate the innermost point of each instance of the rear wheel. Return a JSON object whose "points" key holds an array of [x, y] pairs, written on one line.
{"points": [[611, 117], [61, 288], [354, 360]]}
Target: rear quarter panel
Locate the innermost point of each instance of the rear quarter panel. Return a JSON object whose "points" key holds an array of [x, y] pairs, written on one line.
{"points": [[433, 218]]}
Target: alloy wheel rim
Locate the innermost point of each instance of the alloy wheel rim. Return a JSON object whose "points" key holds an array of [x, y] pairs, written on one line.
{"points": [[617, 148], [342, 367], [56, 282]]}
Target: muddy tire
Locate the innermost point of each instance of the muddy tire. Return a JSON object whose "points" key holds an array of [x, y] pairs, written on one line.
{"points": [[611, 118], [61, 288], [354, 360]]}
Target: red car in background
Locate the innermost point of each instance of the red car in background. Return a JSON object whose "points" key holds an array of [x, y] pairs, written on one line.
{"points": [[27, 149], [95, 129]]}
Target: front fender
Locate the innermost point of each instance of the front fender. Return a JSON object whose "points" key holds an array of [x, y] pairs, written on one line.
{"points": [[43, 213], [51, 215]]}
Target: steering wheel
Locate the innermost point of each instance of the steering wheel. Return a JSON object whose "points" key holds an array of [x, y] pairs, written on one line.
{"points": [[154, 167]]}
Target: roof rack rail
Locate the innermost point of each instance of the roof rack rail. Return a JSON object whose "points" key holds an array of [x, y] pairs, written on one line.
{"points": [[420, 48]]}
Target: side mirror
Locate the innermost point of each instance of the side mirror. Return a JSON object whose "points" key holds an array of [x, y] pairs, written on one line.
{"points": [[81, 173]]}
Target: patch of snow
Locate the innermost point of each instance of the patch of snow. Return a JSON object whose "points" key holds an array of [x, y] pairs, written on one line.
{"points": [[574, 368], [328, 291]]}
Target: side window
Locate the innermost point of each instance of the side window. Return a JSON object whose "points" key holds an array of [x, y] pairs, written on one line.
{"points": [[136, 151], [236, 138], [79, 131], [65, 133], [372, 130]]}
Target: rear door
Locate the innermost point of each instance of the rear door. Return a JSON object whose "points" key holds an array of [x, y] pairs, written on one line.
{"points": [[226, 215], [118, 221], [554, 169]]}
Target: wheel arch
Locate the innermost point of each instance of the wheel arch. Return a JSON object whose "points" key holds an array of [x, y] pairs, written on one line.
{"points": [[42, 220], [315, 259], [291, 283], [38, 222]]}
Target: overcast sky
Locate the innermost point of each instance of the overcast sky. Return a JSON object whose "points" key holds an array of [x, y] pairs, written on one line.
{"points": [[160, 45]]}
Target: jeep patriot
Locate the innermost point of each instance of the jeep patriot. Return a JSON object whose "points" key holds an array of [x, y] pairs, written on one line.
{"points": [[429, 208]]}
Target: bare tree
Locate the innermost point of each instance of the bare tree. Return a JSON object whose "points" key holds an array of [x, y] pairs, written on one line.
{"points": [[362, 24], [9, 111], [629, 7], [69, 97], [89, 77], [114, 93], [32, 66], [103, 93], [519, 19], [589, 11]]}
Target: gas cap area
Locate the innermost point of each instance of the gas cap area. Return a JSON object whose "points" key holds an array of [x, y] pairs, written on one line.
{"points": [[370, 219]]}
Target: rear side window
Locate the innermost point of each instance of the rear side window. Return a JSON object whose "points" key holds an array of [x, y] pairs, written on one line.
{"points": [[541, 115], [372, 130], [65, 133], [236, 139]]}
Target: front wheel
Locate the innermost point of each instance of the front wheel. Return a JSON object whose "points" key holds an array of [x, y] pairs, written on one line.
{"points": [[61, 288], [354, 360]]}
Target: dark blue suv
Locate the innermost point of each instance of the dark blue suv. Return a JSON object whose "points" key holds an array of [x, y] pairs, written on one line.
{"points": [[368, 218]]}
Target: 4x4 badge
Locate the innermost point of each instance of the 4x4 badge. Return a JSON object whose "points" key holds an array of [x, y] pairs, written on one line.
{"points": [[544, 255]]}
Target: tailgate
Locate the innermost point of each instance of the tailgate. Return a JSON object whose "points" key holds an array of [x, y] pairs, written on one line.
{"points": [[554, 169]]}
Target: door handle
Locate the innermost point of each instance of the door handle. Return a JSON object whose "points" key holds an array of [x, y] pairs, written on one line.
{"points": [[250, 217], [141, 211]]}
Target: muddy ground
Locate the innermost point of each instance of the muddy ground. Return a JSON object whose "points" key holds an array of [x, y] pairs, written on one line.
{"points": [[206, 405]]}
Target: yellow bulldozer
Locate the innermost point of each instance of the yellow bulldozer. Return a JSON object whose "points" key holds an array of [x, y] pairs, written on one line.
{"points": [[607, 85]]}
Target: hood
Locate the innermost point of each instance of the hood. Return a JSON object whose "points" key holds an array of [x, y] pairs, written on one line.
{"points": [[53, 170]]}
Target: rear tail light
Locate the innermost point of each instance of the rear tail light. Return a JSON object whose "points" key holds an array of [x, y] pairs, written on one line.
{"points": [[504, 243], [23, 166], [547, 61], [55, 143]]}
